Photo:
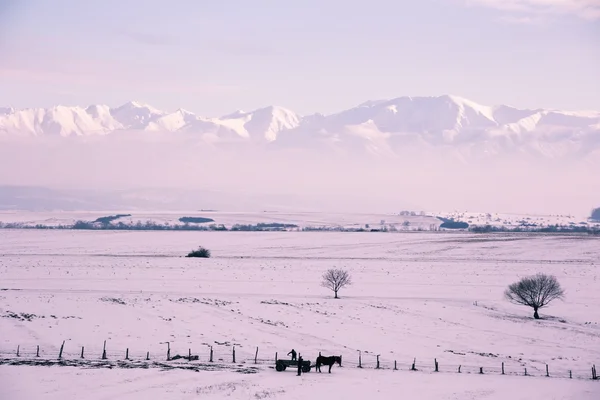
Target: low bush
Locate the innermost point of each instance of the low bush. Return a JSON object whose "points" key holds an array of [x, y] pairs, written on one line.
{"points": [[200, 252]]}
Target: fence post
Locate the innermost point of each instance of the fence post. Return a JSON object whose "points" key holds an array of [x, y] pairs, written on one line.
{"points": [[414, 365], [503, 368], [168, 351], [234, 354], [436, 365], [37, 353], [211, 354], [189, 354], [104, 351], [395, 366], [127, 354], [570, 374], [18, 348], [459, 368], [147, 356], [359, 359], [62, 346], [525, 371], [547, 373], [481, 370], [256, 355], [82, 351], [377, 362]]}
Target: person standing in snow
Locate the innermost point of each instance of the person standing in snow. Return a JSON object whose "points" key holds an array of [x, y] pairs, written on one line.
{"points": [[300, 365]]}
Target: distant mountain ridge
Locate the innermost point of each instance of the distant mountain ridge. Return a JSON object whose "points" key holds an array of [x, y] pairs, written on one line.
{"points": [[379, 127], [65, 121]]}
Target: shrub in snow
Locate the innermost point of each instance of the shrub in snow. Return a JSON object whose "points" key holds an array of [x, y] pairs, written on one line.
{"points": [[201, 252]]}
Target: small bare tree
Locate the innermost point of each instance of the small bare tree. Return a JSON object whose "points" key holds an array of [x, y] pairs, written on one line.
{"points": [[335, 279], [535, 291]]}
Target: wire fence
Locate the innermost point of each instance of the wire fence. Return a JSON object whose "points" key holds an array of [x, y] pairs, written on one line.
{"points": [[228, 356]]}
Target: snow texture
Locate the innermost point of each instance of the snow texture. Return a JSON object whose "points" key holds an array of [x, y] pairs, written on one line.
{"points": [[415, 295]]}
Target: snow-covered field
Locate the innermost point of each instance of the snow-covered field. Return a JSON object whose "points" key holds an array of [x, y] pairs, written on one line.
{"points": [[514, 220], [415, 295], [301, 219], [402, 220]]}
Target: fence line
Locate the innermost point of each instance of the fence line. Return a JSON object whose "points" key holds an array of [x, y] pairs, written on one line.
{"points": [[233, 355]]}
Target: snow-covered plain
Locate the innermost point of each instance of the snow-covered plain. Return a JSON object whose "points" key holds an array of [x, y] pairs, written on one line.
{"points": [[300, 219], [415, 295], [416, 220], [516, 220]]}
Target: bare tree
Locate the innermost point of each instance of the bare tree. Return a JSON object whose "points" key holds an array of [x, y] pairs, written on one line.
{"points": [[535, 291], [335, 279]]}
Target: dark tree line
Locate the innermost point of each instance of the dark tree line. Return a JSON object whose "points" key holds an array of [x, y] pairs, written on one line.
{"points": [[195, 220], [105, 223], [110, 218], [448, 223], [271, 226]]}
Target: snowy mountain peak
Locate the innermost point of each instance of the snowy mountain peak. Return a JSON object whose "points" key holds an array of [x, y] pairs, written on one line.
{"points": [[184, 111], [234, 115], [97, 110], [263, 124], [387, 126], [136, 115], [372, 103], [136, 104]]}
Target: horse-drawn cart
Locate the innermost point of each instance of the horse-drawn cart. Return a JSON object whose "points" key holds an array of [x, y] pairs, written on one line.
{"points": [[281, 365]]}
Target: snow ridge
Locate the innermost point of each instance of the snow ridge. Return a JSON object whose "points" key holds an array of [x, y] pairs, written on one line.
{"points": [[378, 126]]}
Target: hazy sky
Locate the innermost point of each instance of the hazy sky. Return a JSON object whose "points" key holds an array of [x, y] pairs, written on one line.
{"points": [[433, 180], [213, 57]]}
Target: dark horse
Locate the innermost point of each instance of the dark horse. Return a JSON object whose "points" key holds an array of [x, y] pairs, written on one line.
{"points": [[328, 361]]}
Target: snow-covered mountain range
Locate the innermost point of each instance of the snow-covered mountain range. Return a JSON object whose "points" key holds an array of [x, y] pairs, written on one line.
{"points": [[386, 127], [261, 125]]}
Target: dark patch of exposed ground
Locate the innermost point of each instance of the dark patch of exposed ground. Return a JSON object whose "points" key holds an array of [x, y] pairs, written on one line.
{"points": [[90, 364]]}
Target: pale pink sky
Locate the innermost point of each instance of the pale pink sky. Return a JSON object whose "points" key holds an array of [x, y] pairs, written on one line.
{"points": [[311, 56], [214, 57]]}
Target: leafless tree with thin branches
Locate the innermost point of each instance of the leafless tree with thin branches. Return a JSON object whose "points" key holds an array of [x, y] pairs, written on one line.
{"points": [[335, 279], [535, 291]]}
